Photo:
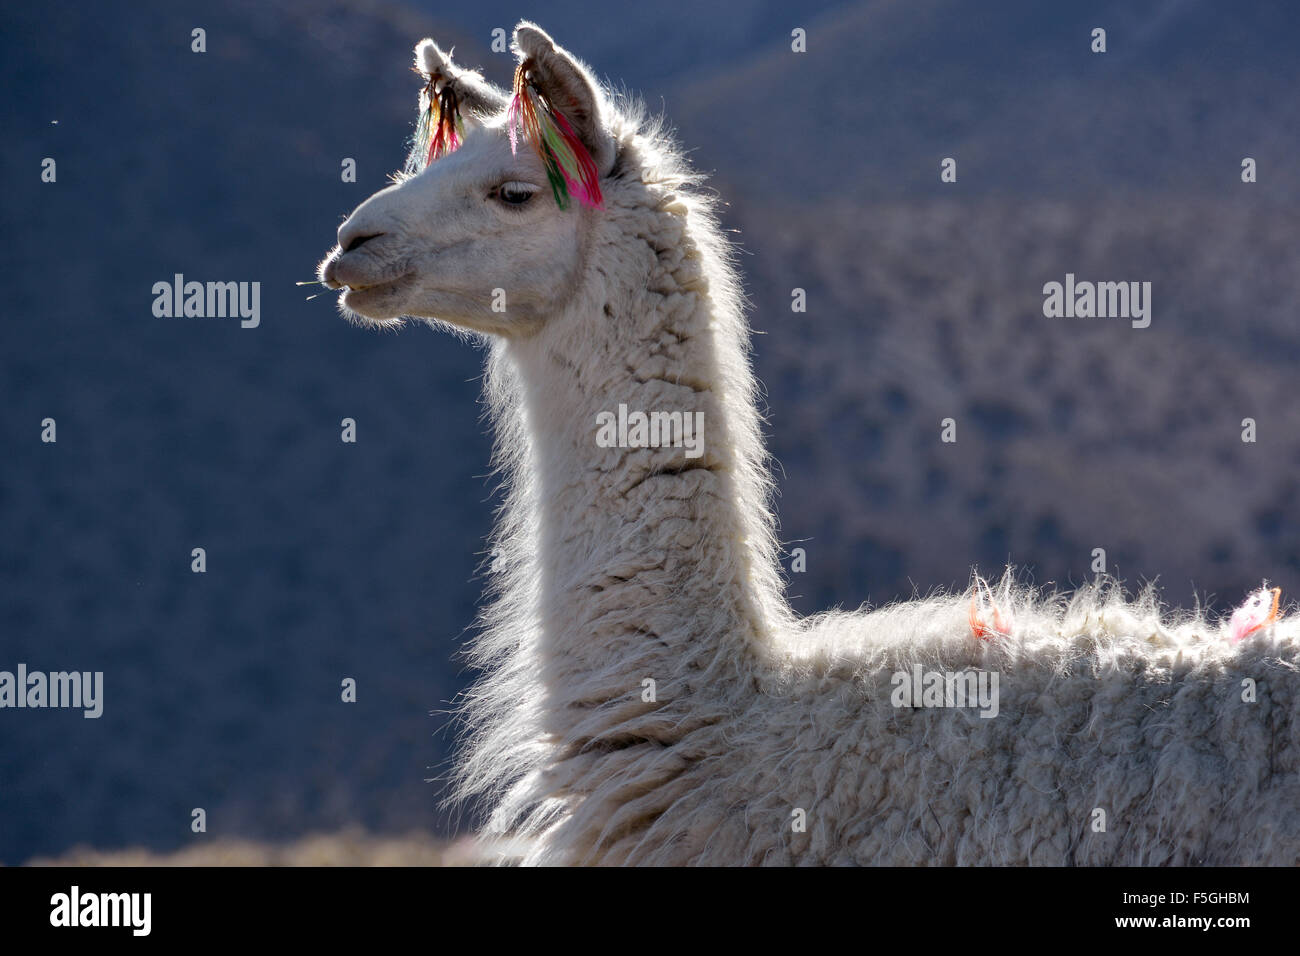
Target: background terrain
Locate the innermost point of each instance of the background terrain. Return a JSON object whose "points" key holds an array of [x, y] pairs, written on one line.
{"points": [[328, 560]]}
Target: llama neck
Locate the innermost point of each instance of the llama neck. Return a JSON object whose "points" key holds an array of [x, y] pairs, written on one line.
{"points": [[653, 554]]}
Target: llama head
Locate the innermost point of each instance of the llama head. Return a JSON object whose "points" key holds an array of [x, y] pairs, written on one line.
{"points": [[489, 234]]}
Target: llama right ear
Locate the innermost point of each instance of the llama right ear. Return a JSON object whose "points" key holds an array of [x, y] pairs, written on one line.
{"points": [[475, 93], [567, 84]]}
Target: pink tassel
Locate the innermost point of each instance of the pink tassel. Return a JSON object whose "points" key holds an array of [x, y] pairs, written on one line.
{"points": [[440, 130], [569, 166], [1258, 611], [446, 112], [987, 619]]}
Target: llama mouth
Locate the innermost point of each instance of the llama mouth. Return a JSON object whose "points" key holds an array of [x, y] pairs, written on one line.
{"points": [[349, 277], [376, 301], [360, 288]]}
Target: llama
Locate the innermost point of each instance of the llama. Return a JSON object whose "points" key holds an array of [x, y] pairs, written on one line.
{"points": [[648, 694]]}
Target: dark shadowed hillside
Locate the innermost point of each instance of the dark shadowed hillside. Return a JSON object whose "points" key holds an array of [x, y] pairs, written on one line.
{"points": [[1073, 434], [327, 560], [1013, 92]]}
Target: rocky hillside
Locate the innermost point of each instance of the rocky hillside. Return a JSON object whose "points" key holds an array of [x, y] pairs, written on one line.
{"points": [[327, 561]]}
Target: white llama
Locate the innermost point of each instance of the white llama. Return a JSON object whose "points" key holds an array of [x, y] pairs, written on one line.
{"points": [[649, 697]]}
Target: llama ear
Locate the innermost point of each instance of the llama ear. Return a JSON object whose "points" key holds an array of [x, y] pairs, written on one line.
{"points": [[567, 84], [475, 93]]}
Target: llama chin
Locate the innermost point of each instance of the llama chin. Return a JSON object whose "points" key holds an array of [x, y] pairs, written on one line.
{"points": [[648, 695]]}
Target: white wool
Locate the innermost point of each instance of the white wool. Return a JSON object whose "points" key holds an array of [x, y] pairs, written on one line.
{"points": [[1104, 705], [611, 566]]}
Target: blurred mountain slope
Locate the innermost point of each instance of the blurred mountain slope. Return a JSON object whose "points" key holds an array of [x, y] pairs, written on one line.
{"points": [[328, 560]]}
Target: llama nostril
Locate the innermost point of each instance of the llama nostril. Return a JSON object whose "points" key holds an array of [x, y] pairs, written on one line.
{"points": [[358, 241]]}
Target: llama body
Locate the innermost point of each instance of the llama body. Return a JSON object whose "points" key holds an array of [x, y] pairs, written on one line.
{"points": [[648, 695]]}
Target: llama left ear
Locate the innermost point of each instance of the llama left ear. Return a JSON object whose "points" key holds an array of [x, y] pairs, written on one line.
{"points": [[567, 84]]}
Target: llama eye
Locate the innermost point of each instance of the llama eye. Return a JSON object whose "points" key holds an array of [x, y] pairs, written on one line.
{"points": [[515, 193]]}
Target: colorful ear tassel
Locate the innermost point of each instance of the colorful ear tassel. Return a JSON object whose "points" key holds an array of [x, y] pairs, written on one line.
{"points": [[440, 130], [569, 165]]}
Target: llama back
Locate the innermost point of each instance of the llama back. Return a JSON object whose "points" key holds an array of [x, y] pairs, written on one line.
{"points": [[1094, 734]]}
